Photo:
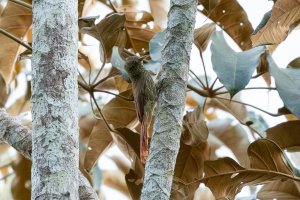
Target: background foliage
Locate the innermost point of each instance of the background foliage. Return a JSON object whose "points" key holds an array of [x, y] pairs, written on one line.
{"points": [[226, 143]]}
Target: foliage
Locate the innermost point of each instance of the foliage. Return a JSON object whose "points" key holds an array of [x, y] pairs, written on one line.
{"points": [[107, 112]]}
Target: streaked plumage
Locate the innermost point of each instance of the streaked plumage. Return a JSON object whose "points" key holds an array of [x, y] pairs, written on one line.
{"points": [[145, 95]]}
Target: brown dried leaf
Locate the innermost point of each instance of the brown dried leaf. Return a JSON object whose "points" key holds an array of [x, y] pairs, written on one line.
{"points": [[285, 17], [115, 179], [110, 32], [202, 36], [3, 92], [233, 136], [287, 189], [138, 31], [226, 178], [236, 109], [194, 127], [118, 113], [16, 20], [21, 185], [134, 184], [121, 163], [286, 135], [232, 18], [295, 63], [129, 143], [159, 11], [189, 167]]}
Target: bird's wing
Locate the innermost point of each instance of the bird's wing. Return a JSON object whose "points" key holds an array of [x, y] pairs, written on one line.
{"points": [[139, 98]]}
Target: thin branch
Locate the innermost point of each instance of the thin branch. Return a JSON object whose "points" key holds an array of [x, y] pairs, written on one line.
{"points": [[246, 104], [120, 96], [104, 79], [251, 88], [104, 61], [204, 68], [99, 110], [22, 3], [203, 93], [203, 86], [196, 81], [113, 6], [241, 122], [81, 77], [219, 88], [18, 40], [213, 84], [84, 86]]}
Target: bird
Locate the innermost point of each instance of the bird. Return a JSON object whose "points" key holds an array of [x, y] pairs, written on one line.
{"points": [[145, 97]]}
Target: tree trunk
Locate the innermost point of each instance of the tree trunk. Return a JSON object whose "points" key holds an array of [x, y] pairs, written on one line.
{"points": [[19, 137], [55, 152], [169, 114]]}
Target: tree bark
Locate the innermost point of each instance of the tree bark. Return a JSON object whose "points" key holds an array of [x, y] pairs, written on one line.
{"points": [[165, 141], [55, 151], [19, 137]]}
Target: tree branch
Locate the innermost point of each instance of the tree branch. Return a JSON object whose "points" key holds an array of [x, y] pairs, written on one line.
{"points": [[165, 140], [19, 137]]}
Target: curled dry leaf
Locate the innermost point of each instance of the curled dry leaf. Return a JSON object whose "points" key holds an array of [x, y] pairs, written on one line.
{"points": [[115, 179], [129, 143], [294, 63], [189, 167], [286, 135], [138, 31], [134, 184], [202, 36], [233, 136], [21, 184], [287, 189], [226, 178], [16, 20], [232, 18], [118, 113], [237, 110], [159, 10], [3, 92], [110, 31], [194, 127], [285, 16]]}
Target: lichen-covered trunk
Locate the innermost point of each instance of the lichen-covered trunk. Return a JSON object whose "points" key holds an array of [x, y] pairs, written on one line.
{"points": [[169, 114], [54, 100]]}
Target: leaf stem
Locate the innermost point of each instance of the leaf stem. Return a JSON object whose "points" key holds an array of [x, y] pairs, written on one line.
{"points": [[250, 88], [104, 79], [241, 122], [203, 86], [122, 97], [18, 40], [204, 68], [112, 6], [99, 110], [203, 93], [246, 104]]}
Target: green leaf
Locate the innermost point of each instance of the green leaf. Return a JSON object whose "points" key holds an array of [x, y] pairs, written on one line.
{"points": [[155, 47], [234, 69], [118, 62], [287, 82]]}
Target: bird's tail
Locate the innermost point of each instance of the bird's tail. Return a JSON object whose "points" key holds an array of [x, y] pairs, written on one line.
{"points": [[144, 142]]}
